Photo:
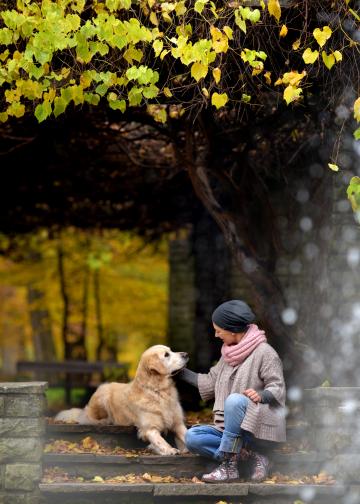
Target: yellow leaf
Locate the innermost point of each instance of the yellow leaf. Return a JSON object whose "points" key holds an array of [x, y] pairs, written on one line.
{"points": [[219, 100], [293, 77], [322, 35], [98, 479], [153, 18], [167, 92], [274, 9], [291, 94], [164, 53], [205, 92], [220, 41], [228, 32], [267, 76], [338, 56], [333, 167], [283, 31], [216, 74], [158, 46], [180, 8], [357, 110], [199, 71], [310, 56], [328, 59], [167, 17], [296, 44]]}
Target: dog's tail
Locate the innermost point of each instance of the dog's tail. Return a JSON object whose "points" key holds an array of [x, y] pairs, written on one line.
{"points": [[73, 415]]}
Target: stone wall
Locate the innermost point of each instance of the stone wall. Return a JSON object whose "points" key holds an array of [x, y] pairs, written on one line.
{"points": [[334, 432], [22, 429]]}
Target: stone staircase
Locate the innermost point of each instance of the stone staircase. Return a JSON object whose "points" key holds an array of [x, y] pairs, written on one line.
{"points": [[84, 466]]}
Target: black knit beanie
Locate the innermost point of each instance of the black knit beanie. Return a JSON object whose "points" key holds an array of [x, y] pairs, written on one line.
{"points": [[233, 316]]}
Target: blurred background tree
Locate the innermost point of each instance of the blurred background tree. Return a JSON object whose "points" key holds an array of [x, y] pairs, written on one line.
{"points": [[82, 295]]}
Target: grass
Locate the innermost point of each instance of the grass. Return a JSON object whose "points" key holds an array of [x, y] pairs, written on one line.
{"points": [[56, 398]]}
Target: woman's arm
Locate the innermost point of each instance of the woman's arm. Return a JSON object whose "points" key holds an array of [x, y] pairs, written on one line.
{"points": [[271, 372], [189, 376], [205, 382]]}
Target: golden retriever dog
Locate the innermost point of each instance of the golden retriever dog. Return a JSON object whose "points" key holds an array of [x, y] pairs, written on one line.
{"points": [[150, 402]]}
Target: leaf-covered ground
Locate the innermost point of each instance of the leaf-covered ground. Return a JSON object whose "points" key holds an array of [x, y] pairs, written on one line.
{"points": [[90, 445], [57, 475]]}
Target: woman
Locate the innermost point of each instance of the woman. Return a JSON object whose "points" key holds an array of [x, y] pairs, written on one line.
{"points": [[249, 390]]}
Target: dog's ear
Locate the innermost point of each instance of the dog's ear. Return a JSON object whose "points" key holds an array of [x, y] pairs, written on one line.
{"points": [[154, 365]]}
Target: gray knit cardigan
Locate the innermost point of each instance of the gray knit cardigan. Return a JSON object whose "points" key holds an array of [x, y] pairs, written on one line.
{"points": [[262, 370]]}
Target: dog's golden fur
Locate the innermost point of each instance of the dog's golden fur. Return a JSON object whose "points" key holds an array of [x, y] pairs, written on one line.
{"points": [[150, 402]]}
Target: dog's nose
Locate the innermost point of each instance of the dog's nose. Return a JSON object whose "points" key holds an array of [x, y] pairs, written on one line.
{"points": [[184, 354]]}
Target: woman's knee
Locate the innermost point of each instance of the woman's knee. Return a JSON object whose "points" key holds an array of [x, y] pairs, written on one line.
{"points": [[192, 438], [235, 401]]}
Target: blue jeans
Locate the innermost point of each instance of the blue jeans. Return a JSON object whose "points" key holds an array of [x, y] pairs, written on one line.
{"points": [[208, 441]]}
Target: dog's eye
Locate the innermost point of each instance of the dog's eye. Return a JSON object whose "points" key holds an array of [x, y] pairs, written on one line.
{"points": [[167, 354]]}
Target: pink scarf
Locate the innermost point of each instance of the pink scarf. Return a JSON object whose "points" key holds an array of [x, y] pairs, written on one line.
{"points": [[236, 354]]}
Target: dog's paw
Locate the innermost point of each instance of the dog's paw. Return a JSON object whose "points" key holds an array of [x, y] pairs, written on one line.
{"points": [[172, 451], [184, 450]]}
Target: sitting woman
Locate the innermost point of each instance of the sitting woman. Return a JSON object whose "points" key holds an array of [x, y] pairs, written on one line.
{"points": [[249, 390]]}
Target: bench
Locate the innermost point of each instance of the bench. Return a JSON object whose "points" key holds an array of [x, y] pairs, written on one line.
{"points": [[107, 370]]}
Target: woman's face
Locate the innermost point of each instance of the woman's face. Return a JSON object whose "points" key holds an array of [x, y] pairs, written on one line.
{"points": [[228, 337]]}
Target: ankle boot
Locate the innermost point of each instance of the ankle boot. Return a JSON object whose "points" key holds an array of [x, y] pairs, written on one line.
{"points": [[261, 466], [226, 472]]}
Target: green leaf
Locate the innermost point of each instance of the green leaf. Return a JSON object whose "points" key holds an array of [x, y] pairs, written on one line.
{"points": [[219, 100], [357, 134], [3, 117], [353, 193], [151, 91], [245, 98], [328, 59], [199, 5], [118, 105], [92, 98], [60, 105], [42, 111], [101, 89], [135, 96]]}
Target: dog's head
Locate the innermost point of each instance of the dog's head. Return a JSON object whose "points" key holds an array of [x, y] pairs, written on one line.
{"points": [[161, 360]]}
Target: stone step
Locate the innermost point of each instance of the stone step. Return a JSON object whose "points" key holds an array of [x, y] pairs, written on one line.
{"points": [[114, 435], [186, 465], [236, 493]]}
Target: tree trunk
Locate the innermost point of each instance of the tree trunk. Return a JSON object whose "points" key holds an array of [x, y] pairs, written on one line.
{"points": [[267, 292], [40, 325], [66, 303], [40, 319], [85, 306], [98, 313]]}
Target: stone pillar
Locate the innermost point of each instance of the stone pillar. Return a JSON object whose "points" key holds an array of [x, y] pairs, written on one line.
{"points": [[22, 429], [334, 433]]}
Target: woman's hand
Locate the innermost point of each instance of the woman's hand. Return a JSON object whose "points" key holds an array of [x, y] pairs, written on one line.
{"points": [[253, 395]]}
